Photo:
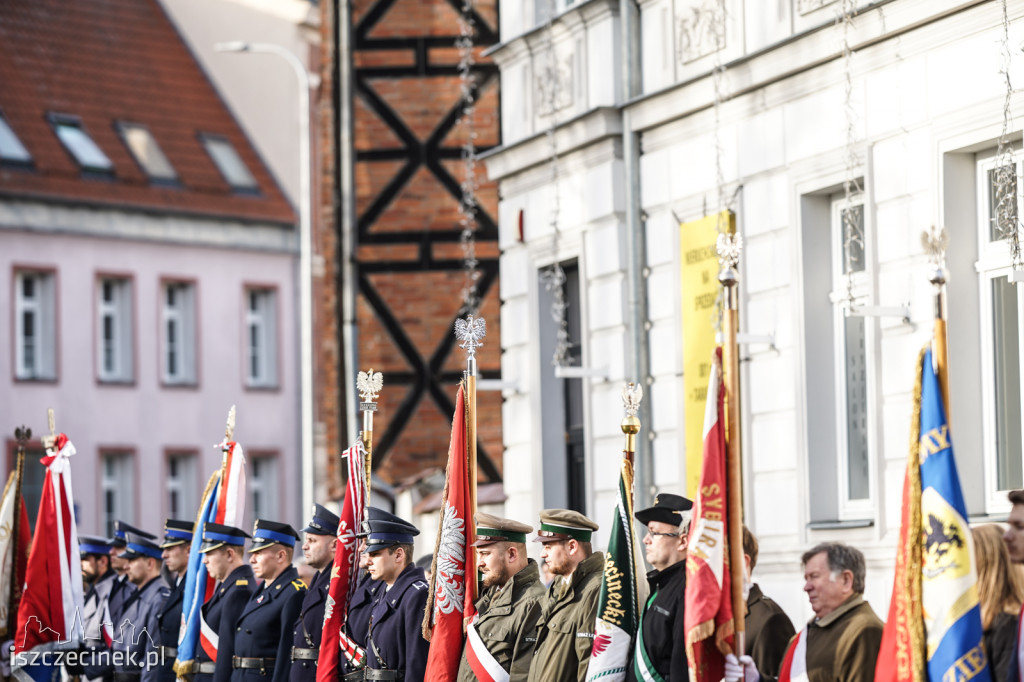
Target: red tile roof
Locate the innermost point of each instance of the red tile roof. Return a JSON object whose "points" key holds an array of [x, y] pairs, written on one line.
{"points": [[119, 60]]}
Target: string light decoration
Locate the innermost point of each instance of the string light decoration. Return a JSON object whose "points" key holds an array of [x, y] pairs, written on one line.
{"points": [[468, 203], [553, 277], [1004, 177], [853, 234]]}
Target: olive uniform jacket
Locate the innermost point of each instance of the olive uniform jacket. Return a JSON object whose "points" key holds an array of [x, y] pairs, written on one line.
{"points": [[565, 633], [768, 632], [843, 646], [220, 613], [507, 623]]}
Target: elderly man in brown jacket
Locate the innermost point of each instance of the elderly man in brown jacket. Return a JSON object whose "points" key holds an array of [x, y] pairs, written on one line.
{"points": [[501, 638], [565, 634], [841, 642]]}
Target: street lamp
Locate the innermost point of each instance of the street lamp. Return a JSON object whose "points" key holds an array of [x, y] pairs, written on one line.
{"points": [[305, 256]]}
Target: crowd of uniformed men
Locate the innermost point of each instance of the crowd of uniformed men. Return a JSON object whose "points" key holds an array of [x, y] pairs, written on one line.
{"points": [[264, 622]]}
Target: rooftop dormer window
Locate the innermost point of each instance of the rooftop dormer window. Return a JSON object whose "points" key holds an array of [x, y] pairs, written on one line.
{"points": [[229, 163], [77, 142], [147, 152], [11, 149]]}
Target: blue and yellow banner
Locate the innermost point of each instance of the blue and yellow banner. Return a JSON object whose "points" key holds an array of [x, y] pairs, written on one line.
{"points": [[949, 594]]}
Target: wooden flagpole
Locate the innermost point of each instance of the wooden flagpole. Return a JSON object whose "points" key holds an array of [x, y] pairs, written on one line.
{"points": [[369, 385], [935, 243], [471, 332], [729, 248]]}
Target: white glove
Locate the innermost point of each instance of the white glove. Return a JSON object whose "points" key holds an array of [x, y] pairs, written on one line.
{"points": [[742, 669]]}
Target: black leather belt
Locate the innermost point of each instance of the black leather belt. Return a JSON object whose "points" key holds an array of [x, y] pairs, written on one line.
{"points": [[355, 676], [392, 675], [299, 654], [170, 652], [260, 664], [127, 676], [204, 667]]}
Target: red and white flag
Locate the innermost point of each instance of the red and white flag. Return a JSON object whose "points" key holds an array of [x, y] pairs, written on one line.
{"points": [[708, 622], [345, 573], [49, 615], [794, 664], [453, 578]]}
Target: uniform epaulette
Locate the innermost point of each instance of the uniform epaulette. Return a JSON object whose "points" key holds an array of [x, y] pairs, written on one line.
{"points": [[298, 585], [241, 581]]}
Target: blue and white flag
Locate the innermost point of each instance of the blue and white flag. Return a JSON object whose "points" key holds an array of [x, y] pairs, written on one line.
{"points": [[949, 593]]}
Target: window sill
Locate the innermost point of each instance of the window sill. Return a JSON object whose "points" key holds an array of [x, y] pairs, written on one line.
{"points": [[180, 384], [840, 525], [263, 388], [116, 383], [35, 380]]}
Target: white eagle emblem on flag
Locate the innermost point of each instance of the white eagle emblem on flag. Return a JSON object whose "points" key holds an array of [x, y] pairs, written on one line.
{"points": [[451, 563]]}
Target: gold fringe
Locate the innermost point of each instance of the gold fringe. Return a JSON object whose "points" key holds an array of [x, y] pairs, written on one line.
{"points": [[913, 550], [698, 634], [14, 550]]}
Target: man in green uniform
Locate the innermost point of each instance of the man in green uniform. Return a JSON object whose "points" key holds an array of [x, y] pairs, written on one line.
{"points": [[841, 642], [565, 633], [504, 632]]}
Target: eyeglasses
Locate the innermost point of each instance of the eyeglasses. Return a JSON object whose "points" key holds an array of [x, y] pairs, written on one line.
{"points": [[655, 534]]}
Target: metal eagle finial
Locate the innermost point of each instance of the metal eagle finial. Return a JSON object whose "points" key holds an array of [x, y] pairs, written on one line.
{"points": [[229, 427], [632, 394], [935, 242], [470, 332], [729, 248], [369, 385]]}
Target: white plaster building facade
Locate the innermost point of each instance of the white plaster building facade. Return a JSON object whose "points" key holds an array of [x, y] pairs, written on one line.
{"points": [[926, 109]]}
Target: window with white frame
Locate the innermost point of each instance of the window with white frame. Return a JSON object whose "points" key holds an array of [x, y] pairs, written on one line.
{"points": [[839, 363], [35, 335], [118, 488], [1002, 334], [179, 333], [261, 337], [181, 486], [115, 329], [262, 486], [850, 290]]}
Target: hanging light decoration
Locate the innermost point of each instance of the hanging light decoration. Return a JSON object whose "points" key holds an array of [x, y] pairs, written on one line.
{"points": [[468, 204]]}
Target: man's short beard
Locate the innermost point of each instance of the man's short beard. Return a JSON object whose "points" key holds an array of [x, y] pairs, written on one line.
{"points": [[500, 578]]}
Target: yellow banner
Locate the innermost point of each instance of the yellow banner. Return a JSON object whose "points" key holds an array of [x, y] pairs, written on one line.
{"points": [[700, 291]]}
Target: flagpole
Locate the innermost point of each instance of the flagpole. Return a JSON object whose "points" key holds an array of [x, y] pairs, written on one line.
{"points": [[369, 385], [935, 243], [632, 394], [729, 248], [22, 435], [471, 332]]}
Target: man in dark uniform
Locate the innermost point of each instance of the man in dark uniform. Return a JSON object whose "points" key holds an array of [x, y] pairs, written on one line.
{"points": [[100, 577], [122, 588], [177, 540], [357, 621], [659, 646], [263, 646], [222, 553], [318, 550], [395, 647], [135, 653]]}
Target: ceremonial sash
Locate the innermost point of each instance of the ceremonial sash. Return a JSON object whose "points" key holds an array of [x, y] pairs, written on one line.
{"points": [[484, 665], [794, 665], [208, 639], [643, 668], [354, 654]]}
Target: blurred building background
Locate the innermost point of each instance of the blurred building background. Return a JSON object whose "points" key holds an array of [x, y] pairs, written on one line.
{"points": [[149, 261]]}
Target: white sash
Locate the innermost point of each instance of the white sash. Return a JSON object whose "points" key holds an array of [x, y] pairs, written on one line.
{"points": [[480, 659]]}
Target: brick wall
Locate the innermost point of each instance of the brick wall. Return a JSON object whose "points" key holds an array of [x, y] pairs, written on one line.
{"points": [[408, 171]]}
